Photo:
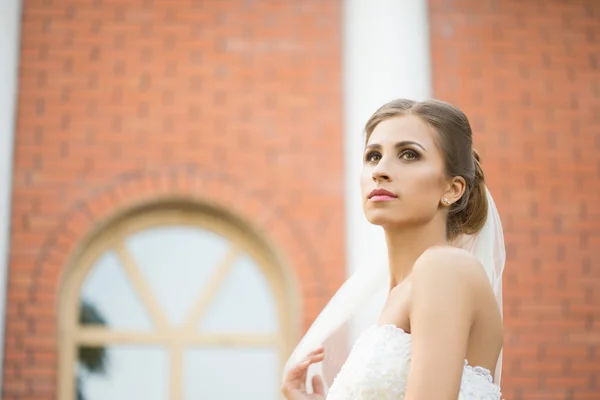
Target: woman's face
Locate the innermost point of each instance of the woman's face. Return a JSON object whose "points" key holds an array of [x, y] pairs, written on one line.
{"points": [[403, 179]]}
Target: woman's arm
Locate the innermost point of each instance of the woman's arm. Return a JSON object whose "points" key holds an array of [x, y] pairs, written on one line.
{"points": [[442, 307]]}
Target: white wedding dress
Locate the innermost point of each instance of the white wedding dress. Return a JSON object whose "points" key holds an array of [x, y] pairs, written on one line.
{"points": [[377, 369]]}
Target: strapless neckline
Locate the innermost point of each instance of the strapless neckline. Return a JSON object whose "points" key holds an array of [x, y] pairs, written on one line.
{"points": [[474, 368], [378, 367]]}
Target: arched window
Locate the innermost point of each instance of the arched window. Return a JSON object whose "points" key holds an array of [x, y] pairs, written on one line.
{"points": [[173, 304]]}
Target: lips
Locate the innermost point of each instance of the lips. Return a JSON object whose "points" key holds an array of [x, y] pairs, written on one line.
{"points": [[381, 195]]}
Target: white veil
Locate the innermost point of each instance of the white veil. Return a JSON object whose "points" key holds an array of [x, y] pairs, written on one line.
{"points": [[328, 329]]}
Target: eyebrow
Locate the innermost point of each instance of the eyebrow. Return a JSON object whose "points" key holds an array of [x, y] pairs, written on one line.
{"points": [[397, 145]]}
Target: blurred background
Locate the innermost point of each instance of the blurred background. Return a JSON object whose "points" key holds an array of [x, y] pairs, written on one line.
{"points": [[179, 182]]}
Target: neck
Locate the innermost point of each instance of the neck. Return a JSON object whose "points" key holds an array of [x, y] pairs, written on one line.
{"points": [[405, 246]]}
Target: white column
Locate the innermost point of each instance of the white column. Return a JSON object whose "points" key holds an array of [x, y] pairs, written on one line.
{"points": [[386, 56], [10, 24]]}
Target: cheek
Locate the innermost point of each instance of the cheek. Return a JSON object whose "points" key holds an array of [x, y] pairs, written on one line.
{"points": [[366, 181], [426, 187]]}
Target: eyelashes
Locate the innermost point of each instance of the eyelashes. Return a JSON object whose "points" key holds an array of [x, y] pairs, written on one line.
{"points": [[405, 155], [409, 155], [373, 156]]}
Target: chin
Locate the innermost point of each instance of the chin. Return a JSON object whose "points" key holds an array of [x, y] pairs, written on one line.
{"points": [[381, 217]]}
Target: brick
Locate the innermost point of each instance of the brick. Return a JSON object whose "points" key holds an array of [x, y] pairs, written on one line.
{"points": [[524, 74], [109, 90]]}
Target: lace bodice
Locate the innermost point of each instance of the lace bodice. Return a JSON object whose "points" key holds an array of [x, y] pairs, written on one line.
{"points": [[377, 369]]}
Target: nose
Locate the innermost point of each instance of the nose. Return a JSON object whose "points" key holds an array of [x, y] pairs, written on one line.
{"points": [[380, 173]]}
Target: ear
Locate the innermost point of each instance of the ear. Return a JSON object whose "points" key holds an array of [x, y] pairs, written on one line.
{"points": [[454, 191]]}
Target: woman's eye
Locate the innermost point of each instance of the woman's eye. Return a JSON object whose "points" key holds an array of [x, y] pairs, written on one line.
{"points": [[409, 155], [373, 157]]}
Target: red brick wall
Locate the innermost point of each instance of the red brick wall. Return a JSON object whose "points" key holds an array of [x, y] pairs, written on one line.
{"points": [[528, 75], [233, 101]]}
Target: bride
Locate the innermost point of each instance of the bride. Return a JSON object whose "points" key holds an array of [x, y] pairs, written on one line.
{"points": [[422, 182]]}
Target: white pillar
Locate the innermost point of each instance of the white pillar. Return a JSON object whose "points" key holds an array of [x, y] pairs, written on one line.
{"points": [[386, 56], [10, 24]]}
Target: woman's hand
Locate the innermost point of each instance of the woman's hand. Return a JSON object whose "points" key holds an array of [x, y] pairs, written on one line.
{"points": [[294, 385]]}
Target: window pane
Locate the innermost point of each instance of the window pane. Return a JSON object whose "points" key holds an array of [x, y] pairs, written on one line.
{"points": [[129, 373], [243, 304], [177, 262], [231, 374], [108, 298]]}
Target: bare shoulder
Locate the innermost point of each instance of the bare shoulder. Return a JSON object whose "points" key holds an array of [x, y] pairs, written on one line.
{"points": [[451, 265], [451, 278], [443, 278]]}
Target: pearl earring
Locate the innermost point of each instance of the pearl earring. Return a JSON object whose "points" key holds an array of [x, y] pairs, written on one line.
{"points": [[446, 201]]}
